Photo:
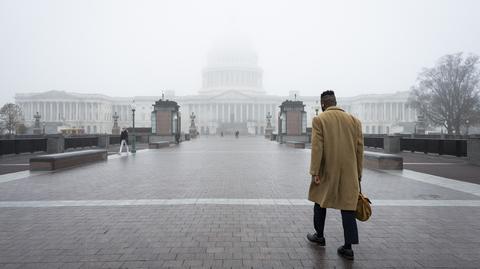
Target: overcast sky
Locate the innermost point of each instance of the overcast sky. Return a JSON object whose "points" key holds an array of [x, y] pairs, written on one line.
{"points": [[126, 48]]}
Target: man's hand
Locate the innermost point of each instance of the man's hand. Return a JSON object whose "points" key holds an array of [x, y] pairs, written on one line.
{"points": [[316, 179]]}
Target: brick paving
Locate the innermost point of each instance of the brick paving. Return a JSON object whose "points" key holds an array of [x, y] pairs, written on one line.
{"points": [[225, 235]]}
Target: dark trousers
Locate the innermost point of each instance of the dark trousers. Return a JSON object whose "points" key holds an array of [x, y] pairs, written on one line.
{"points": [[349, 223]]}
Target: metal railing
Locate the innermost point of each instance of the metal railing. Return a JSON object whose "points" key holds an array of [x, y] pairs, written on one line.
{"points": [[373, 141], [17, 146], [455, 147], [81, 142], [114, 139]]}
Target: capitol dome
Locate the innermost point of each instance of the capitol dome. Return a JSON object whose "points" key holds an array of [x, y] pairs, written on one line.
{"points": [[232, 64]]}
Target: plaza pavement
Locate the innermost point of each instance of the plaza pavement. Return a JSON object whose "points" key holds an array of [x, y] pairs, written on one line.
{"points": [[226, 203]]}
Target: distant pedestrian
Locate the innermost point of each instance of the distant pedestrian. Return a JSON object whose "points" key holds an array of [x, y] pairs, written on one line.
{"points": [[237, 133], [177, 138], [336, 169], [123, 140]]}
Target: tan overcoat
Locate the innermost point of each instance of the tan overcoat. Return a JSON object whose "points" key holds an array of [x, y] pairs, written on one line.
{"points": [[337, 157]]}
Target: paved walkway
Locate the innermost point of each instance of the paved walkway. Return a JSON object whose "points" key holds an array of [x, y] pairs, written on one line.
{"points": [[226, 203]]}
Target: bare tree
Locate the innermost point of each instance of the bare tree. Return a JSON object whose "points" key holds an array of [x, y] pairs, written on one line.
{"points": [[448, 93], [10, 115]]}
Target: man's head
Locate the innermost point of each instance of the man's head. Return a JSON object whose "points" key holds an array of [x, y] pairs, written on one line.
{"points": [[327, 99]]}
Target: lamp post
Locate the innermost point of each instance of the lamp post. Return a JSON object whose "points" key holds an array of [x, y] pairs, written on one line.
{"points": [[317, 108], [466, 124], [133, 106], [176, 135]]}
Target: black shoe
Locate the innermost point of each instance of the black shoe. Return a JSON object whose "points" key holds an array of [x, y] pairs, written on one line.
{"points": [[346, 253], [314, 238]]}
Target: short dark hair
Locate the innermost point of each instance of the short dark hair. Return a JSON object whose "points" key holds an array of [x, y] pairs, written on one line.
{"points": [[326, 93]]}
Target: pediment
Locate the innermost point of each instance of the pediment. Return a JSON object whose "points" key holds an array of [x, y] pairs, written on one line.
{"points": [[232, 95], [54, 95]]}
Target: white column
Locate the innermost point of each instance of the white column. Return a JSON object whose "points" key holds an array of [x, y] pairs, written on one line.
{"points": [[42, 110], [212, 115], [394, 111], [45, 111], [254, 117], [264, 112], [384, 114], [76, 111], [257, 116], [406, 116], [221, 112], [207, 112], [241, 112], [224, 112]]}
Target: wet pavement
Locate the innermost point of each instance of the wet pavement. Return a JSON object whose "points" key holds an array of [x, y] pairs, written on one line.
{"points": [[226, 203]]}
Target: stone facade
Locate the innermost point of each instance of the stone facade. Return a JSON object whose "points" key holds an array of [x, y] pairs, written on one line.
{"points": [[231, 98]]}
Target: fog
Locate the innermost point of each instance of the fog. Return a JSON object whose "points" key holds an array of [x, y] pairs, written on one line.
{"points": [[125, 48]]}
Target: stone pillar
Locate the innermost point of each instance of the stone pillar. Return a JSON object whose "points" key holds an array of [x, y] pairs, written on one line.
{"points": [[473, 150], [55, 144], [292, 129], [391, 144], [103, 141]]}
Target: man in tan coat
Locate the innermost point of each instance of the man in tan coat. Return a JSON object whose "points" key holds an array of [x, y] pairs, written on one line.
{"points": [[336, 169]]}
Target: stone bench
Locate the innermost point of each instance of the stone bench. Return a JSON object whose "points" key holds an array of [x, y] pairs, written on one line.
{"points": [[67, 159], [159, 144], [378, 160], [295, 144]]}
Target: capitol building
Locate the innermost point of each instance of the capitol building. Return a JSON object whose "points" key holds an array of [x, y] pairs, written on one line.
{"points": [[231, 97]]}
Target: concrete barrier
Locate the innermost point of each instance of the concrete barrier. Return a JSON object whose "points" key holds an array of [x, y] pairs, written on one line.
{"points": [[67, 159], [473, 150], [378, 160], [295, 144], [159, 144]]}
